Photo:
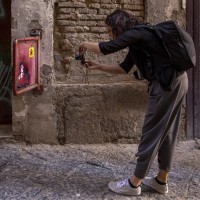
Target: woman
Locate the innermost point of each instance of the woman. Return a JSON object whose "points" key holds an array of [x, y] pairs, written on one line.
{"points": [[167, 90]]}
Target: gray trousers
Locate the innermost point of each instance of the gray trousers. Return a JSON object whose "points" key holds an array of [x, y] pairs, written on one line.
{"points": [[159, 132]]}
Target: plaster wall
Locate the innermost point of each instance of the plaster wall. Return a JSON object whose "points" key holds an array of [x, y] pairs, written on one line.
{"points": [[158, 11], [34, 115]]}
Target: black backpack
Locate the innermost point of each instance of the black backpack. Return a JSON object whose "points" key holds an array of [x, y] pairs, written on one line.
{"points": [[178, 44]]}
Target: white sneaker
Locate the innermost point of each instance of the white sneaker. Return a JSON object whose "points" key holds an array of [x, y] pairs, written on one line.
{"points": [[123, 187], [152, 183]]}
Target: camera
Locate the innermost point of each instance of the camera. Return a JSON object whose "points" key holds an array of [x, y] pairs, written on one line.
{"points": [[80, 57]]}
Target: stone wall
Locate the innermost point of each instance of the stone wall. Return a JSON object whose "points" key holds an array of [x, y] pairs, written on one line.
{"points": [[110, 108], [98, 111], [83, 20], [157, 11]]}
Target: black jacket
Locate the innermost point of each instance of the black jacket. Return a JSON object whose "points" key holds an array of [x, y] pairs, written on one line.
{"points": [[143, 45]]}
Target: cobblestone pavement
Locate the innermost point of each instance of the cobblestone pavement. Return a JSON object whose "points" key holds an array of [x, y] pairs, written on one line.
{"points": [[73, 172]]}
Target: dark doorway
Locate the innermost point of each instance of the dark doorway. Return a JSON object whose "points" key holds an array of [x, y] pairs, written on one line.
{"points": [[193, 97], [5, 63]]}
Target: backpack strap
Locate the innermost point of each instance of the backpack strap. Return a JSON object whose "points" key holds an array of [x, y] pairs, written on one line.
{"points": [[158, 33]]}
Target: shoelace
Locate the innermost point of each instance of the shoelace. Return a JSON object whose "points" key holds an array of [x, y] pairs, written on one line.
{"points": [[122, 183]]}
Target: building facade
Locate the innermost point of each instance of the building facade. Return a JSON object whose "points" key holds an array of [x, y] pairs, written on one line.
{"points": [[78, 106]]}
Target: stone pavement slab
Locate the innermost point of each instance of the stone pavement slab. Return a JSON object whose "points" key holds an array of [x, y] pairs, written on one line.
{"points": [[82, 172]]}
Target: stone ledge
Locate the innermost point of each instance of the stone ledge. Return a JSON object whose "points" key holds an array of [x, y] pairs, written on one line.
{"points": [[100, 113]]}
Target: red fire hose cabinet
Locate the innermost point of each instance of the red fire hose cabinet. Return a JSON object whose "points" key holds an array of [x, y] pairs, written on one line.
{"points": [[26, 64]]}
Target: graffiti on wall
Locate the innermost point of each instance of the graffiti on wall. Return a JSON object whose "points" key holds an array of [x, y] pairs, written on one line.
{"points": [[2, 10]]}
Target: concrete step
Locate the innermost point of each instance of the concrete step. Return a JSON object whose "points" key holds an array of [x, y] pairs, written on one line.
{"points": [[6, 131]]}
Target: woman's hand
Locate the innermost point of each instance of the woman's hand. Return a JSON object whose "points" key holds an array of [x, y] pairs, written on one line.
{"points": [[113, 69], [91, 65], [82, 48]]}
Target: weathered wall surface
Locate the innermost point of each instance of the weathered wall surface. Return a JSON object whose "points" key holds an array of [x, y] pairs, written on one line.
{"points": [[105, 110], [83, 20], [100, 113], [109, 109], [157, 11], [34, 116]]}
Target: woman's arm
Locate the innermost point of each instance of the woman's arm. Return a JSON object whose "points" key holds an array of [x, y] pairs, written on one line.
{"points": [[126, 39], [113, 69]]}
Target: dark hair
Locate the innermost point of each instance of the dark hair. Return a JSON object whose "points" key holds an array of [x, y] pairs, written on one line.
{"points": [[121, 21]]}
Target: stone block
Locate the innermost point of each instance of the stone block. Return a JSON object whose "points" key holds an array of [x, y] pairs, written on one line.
{"points": [[100, 113], [71, 5]]}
